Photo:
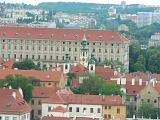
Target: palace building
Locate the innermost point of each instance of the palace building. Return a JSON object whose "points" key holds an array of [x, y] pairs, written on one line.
{"points": [[47, 46]]}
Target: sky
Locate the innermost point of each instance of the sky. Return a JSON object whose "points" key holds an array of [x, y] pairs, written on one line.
{"points": [[35, 2]]}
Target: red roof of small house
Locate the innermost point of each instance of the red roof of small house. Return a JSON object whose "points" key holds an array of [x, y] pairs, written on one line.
{"points": [[10, 104], [43, 92], [40, 75], [133, 90], [59, 109], [7, 64], [137, 76], [85, 99], [78, 69], [106, 72], [60, 34], [157, 87], [55, 118]]}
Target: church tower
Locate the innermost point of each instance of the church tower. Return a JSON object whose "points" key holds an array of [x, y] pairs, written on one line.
{"points": [[84, 52], [66, 65], [92, 64]]}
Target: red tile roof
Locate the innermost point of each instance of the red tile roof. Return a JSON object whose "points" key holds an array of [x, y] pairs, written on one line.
{"points": [[66, 118], [40, 75], [132, 90], [157, 87], [7, 64], [59, 109], [106, 73], [75, 82], [43, 92], [61, 34], [85, 99], [78, 69], [11, 105], [55, 118]]}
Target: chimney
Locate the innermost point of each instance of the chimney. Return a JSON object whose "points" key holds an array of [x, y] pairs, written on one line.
{"points": [[133, 81], [140, 82], [115, 73], [21, 92], [14, 94], [153, 83], [10, 87]]}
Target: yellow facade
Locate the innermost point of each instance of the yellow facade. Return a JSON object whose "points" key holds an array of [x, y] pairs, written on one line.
{"points": [[110, 111]]}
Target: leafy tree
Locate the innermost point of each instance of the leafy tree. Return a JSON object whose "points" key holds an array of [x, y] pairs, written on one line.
{"points": [[148, 111], [93, 84], [25, 65], [70, 77], [19, 81]]}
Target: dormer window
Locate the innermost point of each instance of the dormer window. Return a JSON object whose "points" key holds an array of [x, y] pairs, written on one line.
{"points": [[16, 34]]}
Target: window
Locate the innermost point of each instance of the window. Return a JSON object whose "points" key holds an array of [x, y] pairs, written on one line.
{"points": [[148, 100], [155, 101], [94, 43], [33, 57], [49, 109], [45, 48], [57, 49], [69, 49], [0, 118], [32, 102], [105, 115], [75, 58], [70, 109], [26, 56], [149, 92], [99, 50], [51, 57], [93, 50], [39, 57], [21, 47], [45, 57], [75, 49], [56, 57], [118, 111], [109, 107], [105, 50], [77, 109], [109, 116], [98, 110], [2, 55], [39, 112], [6, 118], [15, 56], [63, 49], [105, 107], [21, 56], [75, 43], [91, 110], [27, 47], [39, 48], [39, 102], [15, 47], [51, 48], [118, 51], [111, 50], [112, 44], [63, 42], [84, 109]]}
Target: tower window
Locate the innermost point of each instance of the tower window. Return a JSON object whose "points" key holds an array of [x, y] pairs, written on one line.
{"points": [[91, 67], [66, 67]]}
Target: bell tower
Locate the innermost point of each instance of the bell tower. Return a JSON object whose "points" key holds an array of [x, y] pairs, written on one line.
{"points": [[92, 66], [84, 52], [66, 65]]}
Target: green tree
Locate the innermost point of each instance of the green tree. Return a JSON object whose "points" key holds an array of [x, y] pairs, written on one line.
{"points": [[25, 65], [94, 85], [147, 110], [19, 81]]}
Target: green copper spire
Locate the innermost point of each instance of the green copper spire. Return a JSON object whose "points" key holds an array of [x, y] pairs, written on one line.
{"points": [[84, 42], [92, 60]]}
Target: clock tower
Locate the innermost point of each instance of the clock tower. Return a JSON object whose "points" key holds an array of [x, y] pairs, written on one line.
{"points": [[84, 52]]}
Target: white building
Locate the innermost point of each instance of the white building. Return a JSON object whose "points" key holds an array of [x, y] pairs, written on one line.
{"points": [[144, 18], [71, 105], [154, 40], [13, 106]]}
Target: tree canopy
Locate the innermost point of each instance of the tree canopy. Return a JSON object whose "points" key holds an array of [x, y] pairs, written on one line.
{"points": [[94, 85], [26, 65], [19, 81]]}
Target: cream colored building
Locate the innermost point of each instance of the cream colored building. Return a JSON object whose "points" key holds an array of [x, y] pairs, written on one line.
{"points": [[47, 46]]}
